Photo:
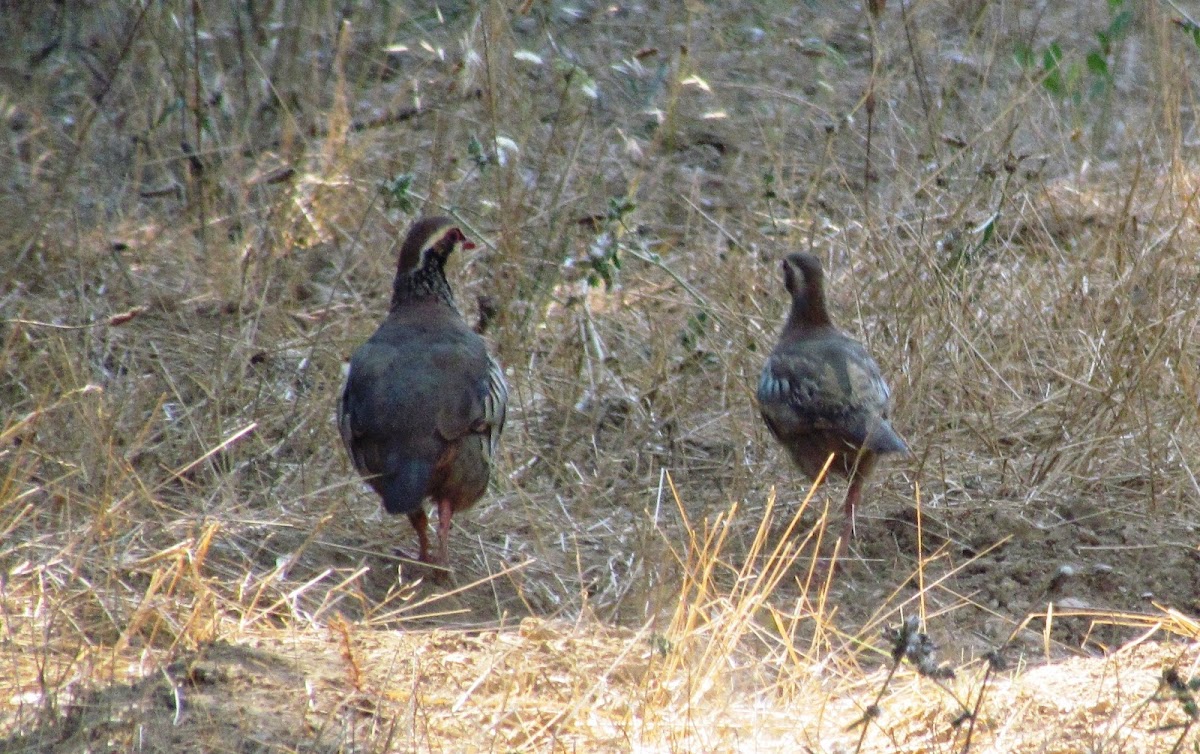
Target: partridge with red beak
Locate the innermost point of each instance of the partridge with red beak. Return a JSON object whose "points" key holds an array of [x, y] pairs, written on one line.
{"points": [[424, 403]]}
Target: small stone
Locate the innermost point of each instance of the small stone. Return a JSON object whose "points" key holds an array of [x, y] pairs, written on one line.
{"points": [[1072, 603]]}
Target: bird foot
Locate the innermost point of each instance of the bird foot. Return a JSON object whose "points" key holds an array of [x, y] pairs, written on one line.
{"points": [[426, 566]]}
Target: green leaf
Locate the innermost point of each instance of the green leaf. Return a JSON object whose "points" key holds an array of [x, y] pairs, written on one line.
{"points": [[396, 191], [1051, 59], [661, 644], [989, 230], [619, 207], [475, 150], [1024, 56], [1052, 56], [603, 271], [1097, 64], [1120, 24], [1054, 84], [769, 185]]}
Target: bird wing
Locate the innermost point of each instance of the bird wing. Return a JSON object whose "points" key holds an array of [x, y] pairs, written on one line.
{"points": [[414, 392], [829, 385], [345, 420], [380, 415], [495, 405], [477, 395]]}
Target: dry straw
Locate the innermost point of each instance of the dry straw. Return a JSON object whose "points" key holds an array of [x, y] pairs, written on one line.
{"points": [[199, 213]]}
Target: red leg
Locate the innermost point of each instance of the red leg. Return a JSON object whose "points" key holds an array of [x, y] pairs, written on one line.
{"points": [[853, 496], [420, 521], [444, 514]]}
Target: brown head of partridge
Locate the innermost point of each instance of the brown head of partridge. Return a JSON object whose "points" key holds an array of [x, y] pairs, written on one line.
{"points": [[821, 394], [424, 403]]}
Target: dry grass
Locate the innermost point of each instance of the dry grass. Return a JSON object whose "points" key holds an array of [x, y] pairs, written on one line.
{"points": [[199, 216]]}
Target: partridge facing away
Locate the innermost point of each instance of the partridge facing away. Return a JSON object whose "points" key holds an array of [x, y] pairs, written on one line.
{"points": [[424, 403], [822, 394]]}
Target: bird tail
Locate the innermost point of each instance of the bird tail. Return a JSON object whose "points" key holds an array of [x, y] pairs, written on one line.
{"points": [[884, 439], [404, 489]]}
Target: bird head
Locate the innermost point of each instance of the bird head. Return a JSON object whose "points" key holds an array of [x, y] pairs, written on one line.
{"points": [[429, 243], [801, 272], [421, 274], [805, 281]]}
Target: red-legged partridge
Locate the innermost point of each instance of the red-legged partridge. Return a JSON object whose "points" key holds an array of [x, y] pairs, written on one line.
{"points": [[424, 403], [822, 394]]}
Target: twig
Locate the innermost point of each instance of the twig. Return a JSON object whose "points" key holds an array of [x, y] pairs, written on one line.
{"points": [[715, 224], [656, 260]]}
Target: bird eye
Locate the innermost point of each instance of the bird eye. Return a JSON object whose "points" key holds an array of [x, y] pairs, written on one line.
{"points": [[456, 235]]}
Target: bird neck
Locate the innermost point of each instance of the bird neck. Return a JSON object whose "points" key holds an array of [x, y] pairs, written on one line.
{"points": [[422, 284], [809, 311]]}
